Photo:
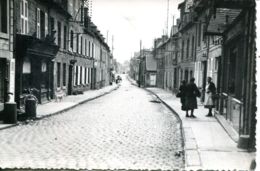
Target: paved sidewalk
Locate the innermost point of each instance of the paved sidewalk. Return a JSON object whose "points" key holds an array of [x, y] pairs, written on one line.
{"points": [[207, 144], [67, 103]]}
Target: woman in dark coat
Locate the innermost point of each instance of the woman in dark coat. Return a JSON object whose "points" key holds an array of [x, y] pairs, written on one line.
{"points": [[192, 92], [181, 94]]}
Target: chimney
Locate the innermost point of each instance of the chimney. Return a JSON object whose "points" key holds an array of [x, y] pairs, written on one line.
{"points": [[86, 18]]}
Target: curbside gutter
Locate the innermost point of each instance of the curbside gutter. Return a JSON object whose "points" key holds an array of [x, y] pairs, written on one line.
{"points": [[64, 109]]}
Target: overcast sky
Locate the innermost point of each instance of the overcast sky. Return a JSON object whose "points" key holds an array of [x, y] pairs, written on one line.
{"points": [[130, 21]]}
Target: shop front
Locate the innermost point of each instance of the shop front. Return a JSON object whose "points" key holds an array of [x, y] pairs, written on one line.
{"points": [[34, 68]]}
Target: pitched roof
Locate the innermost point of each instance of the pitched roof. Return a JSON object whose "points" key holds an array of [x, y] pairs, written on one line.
{"points": [[223, 18]]}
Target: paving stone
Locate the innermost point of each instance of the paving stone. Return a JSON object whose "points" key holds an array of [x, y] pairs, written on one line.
{"points": [[122, 130]]}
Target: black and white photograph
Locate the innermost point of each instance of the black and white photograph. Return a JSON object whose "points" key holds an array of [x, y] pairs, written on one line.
{"points": [[129, 85]]}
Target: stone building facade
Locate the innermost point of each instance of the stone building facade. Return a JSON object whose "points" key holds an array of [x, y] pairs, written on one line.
{"points": [[7, 61], [61, 51]]}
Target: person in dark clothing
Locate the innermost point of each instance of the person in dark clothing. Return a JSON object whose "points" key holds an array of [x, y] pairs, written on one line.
{"points": [[210, 92], [181, 94], [192, 92]]}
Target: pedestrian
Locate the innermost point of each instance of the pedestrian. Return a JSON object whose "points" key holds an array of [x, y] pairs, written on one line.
{"points": [[181, 95], [192, 92], [210, 93]]}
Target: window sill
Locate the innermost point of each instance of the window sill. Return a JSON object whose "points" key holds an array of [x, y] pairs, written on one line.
{"points": [[4, 35]]}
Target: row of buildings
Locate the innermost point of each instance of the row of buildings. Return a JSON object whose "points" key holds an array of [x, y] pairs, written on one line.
{"points": [[212, 38], [52, 47]]}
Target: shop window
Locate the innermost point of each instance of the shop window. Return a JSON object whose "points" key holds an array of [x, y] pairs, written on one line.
{"points": [[58, 74], [24, 16], [64, 74], [3, 16]]}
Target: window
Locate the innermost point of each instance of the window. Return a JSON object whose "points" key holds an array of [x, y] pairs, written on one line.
{"points": [[59, 34], [81, 45], [58, 74], [182, 50], [38, 24], [86, 75], [42, 20], [81, 75], [89, 75], [78, 80], [93, 50], [26, 66], [65, 37], [76, 75], [64, 74], [86, 46], [77, 44], [3, 16], [24, 16], [45, 24], [71, 39], [192, 48], [199, 34], [188, 48], [52, 24]]}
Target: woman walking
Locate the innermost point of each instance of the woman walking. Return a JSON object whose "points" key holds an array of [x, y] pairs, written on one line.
{"points": [[181, 94], [192, 92], [210, 92]]}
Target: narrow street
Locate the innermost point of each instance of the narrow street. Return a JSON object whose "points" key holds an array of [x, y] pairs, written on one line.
{"points": [[127, 129]]}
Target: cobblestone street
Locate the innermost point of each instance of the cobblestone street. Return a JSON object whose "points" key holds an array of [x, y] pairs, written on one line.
{"points": [[127, 129]]}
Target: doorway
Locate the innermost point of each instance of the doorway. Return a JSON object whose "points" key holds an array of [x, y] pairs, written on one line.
{"points": [[70, 80]]}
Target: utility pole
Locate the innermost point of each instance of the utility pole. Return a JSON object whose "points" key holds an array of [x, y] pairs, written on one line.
{"points": [[167, 17], [107, 37], [112, 44]]}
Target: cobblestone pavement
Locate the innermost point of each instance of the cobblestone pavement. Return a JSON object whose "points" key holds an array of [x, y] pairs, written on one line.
{"points": [[127, 129]]}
